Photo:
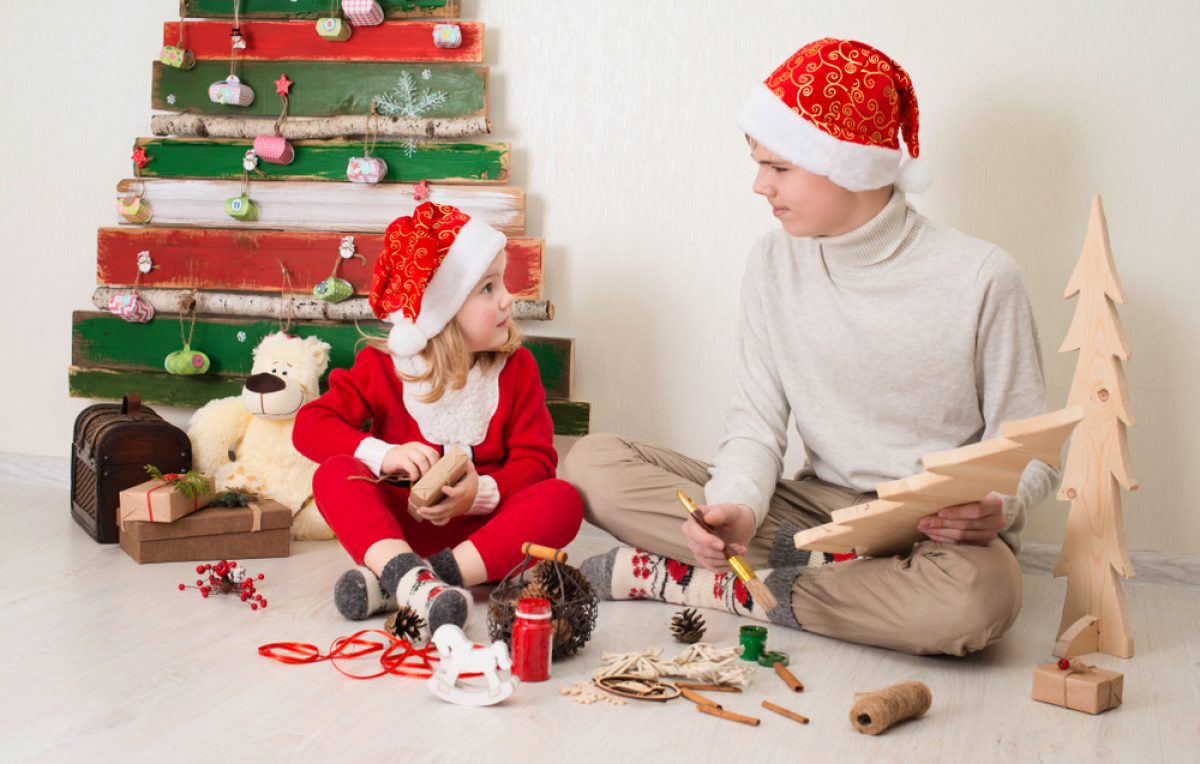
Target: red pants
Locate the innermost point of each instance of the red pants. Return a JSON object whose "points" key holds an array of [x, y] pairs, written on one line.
{"points": [[362, 513]]}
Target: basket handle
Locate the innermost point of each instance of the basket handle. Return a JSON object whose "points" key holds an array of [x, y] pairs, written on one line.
{"points": [[131, 404], [543, 552]]}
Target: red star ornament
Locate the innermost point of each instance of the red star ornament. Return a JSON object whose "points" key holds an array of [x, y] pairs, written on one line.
{"points": [[282, 85], [140, 158]]}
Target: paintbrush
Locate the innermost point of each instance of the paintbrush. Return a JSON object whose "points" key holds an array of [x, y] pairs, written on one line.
{"points": [[758, 590]]}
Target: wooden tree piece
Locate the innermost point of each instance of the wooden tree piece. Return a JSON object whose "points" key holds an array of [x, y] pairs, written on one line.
{"points": [[888, 525], [311, 9], [301, 128], [314, 206], [1080, 638]]}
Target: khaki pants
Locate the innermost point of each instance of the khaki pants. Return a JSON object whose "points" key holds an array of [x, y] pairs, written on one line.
{"points": [[941, 598]]}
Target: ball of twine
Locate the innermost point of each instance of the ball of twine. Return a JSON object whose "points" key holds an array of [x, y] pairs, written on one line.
{"points": [[875, 712]]}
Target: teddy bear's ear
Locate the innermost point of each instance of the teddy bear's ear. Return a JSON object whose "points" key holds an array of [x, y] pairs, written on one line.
{"points": [[319, 351]]}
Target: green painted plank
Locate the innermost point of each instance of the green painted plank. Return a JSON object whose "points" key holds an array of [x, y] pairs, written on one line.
{"points": [[570, 417], [273, 9], [321, 88], [104, 340], [326, 160]]}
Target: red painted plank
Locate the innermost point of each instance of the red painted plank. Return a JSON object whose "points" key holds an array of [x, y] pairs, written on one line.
{"points": [[298, 41], [248, 260]]}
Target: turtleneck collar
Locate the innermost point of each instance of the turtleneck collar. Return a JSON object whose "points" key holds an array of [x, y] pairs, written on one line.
{"points": [[872, 243]]}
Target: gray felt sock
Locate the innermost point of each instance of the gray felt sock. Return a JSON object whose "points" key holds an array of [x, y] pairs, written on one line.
{"points": [[395, 569], [780, 582], [358, 594], [446, 567], [599, 572]]}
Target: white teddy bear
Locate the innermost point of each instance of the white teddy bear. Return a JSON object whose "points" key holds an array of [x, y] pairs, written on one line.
{"points": [[245, 442]]}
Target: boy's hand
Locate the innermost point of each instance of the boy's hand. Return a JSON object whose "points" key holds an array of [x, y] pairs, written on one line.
{"points": [[734, 525], [413, 459], [977, 523], [459, 498]]}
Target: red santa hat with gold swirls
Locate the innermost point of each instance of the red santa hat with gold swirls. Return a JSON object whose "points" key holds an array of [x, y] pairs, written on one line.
{"points": [[431, 261], [836, 108]]}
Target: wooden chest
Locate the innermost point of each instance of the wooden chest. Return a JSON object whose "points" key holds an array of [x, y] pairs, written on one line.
{"points": [[112, 444]]}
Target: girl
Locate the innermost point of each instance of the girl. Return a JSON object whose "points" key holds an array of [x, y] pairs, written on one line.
{"points": [[450, 373]]}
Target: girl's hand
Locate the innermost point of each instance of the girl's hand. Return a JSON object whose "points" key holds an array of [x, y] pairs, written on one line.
{"points": [[734, 525], [412, 459], [459, 498], [976, 523]]}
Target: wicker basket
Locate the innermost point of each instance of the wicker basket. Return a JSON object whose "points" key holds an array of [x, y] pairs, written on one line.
{"points": [[572, 613]]}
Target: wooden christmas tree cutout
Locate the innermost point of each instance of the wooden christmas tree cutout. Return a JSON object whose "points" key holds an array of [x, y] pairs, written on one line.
{"points": [[888, 525], [1094, 551]]}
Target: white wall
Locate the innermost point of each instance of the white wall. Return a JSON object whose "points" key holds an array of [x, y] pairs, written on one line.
{"points": [[621, 118]]}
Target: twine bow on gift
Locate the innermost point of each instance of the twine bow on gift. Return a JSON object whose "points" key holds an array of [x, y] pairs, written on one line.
{"points": [[1077, 667]]}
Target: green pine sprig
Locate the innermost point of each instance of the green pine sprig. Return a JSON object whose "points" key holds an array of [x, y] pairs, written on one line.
{"points": [[192, 484]]}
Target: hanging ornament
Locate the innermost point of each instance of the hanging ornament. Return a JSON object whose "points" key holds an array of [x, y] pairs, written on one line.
{"points": [[368, 169], [334, 289], [333, 29], [250, 161], [362, 13], [237, 41], [447, 35], [130, 306], [242, 207], [275, 148], [231, 92], [140, 159], [187, 362], [421, 191], [134, 208], [177, 55]]}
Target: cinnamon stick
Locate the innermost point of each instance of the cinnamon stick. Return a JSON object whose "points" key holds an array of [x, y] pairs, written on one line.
{"points": [[784, 712], [697, 698], [789, 678], [708, 687], [731, 716]]}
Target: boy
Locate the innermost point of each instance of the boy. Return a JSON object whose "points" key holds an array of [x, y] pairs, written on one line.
{"points": [[886, 337]]}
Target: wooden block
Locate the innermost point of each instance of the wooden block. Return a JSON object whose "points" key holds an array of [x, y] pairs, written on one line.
{"points": [[291, 41], [248, 260], [889, 525], [571, 418], [102, 340], [312, 9], [221, 158], [313, 206], [322, 89], [429, 489], [1081, 638]]}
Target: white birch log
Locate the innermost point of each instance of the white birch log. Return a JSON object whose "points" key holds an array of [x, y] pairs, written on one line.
{"points": [[303, 307], [298, 128], [318, 206]]}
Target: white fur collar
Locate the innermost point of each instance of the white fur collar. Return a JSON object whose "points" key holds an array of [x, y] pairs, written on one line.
{"points": [[459, 417]]}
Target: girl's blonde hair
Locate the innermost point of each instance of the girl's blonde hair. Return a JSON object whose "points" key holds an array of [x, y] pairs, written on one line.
{"points": [[447, 359]]}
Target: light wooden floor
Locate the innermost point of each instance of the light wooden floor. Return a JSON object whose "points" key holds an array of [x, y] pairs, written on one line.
{"points": [[104, 660]]}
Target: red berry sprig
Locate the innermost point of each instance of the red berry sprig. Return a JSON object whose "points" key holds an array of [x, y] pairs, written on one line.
{"points": [[227, 577]]}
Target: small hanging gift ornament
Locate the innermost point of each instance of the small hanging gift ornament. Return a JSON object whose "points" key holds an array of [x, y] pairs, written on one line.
{"points": [[242, 207], [275, 148], [187, 362], [231, 92], [134, 208], [332, 28], [362, 13], [177, 55], [334, 289], [130, 305], [368, 169], [447, 35]]}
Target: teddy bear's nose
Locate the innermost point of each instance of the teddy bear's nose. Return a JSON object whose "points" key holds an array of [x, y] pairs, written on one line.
{"points": [[265, 383]]}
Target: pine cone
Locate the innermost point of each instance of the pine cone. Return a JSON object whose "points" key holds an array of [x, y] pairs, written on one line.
{"points": [[688, 626], [537, 590], [405, 624], [570, 586]]}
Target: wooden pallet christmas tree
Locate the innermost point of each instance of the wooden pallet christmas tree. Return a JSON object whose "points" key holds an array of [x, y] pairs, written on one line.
{"points": [[399, 91], [1094, 552]]}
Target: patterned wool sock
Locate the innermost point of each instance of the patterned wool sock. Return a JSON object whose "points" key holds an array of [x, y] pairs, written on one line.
{"points": [[446, 567], [414, 583], [784, 553], [358, 594]]}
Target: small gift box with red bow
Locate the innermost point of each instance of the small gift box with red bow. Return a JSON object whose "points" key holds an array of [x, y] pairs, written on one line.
{"points": [[165, 498], [362, 13], [1078, 686]]}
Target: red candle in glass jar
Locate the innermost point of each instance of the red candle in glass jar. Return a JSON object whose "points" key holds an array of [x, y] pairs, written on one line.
{"points": [[532, 640]]}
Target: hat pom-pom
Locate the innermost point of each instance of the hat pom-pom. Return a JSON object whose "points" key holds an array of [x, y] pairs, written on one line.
{"points": [[915, 176], [405, 339]]}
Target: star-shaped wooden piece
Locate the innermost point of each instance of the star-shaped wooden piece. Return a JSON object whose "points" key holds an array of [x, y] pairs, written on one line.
{"points": [[282, 85], [140, 158]]}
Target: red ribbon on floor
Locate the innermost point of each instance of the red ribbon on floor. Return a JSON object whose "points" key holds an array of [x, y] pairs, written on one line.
{"points": [[398, 656]]}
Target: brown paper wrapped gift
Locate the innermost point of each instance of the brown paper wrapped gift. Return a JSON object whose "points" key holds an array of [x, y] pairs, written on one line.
{"points": [[263, 529], [446, 471], [158, 501], [1081, 687]]}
